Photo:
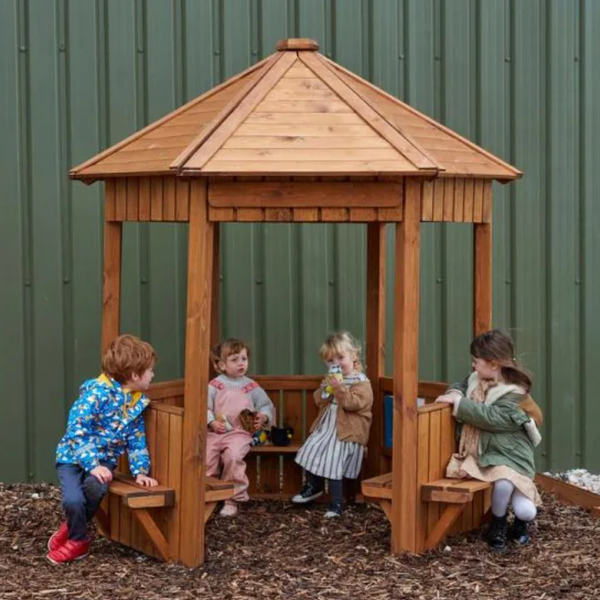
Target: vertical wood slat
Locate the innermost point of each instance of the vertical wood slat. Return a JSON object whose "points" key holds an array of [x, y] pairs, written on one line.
{"points": [[438, 199], [305, 215], [145, 199], [139, 539], [215, 334], [334, 215], [427, 207], [459, 200], [375, 315], [182, 200], [362, 215], [435, 465], [449, 185], [291, 416], [121, 199], [198, 330], [132, 198], [405, 386], [281, 215], [156, 199], [487, 202], [250, 215], [169, 199], [478, 201], [110, 200], [221, 215], [468, 200], [421, 522], [174, 481], [161, 467]]}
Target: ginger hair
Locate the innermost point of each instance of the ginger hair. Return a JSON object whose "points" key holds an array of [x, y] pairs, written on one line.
{"points": [[127, 356]]}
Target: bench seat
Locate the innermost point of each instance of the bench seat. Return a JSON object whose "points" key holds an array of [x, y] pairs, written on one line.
{"points": [[452, 491], [272, 449]]}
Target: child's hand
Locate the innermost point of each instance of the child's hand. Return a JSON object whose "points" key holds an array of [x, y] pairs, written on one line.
{"points": [[102, 474], [334, 382], [218, 426], [449, 398], [259, 421], [146, 481]]}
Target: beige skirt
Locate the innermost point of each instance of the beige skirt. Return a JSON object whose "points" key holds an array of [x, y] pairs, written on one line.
{"points": [[463, 468]]}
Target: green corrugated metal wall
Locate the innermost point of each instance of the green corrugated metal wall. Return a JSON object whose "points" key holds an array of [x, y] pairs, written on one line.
{"points": [[519, 77]]}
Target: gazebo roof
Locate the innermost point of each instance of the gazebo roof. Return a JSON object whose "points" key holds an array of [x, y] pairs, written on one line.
{"points": [[296, 113]]}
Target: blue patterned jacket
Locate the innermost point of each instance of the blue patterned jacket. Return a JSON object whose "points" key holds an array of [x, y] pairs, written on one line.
{"points": [[104, 422]]}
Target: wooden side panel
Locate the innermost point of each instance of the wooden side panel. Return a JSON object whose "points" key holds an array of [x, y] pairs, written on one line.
{"points": [[459, 200], [478, 201], [156, 199], [132, 198], [436, 468], [121, 199], [427, 206], [469, 200], [290, 415], [449, 185], [169, 199]]}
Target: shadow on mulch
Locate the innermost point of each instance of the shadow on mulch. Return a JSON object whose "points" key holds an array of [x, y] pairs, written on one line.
{"points": [[278, 551]]}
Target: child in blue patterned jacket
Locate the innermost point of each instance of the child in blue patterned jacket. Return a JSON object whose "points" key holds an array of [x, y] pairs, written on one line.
{"points": [[104, 422]]}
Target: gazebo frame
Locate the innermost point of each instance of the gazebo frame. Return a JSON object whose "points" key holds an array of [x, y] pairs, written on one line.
{"points": [[405, 198]]}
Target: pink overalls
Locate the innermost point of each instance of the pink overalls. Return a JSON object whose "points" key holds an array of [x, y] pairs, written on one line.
{"points": [[231, 447]]}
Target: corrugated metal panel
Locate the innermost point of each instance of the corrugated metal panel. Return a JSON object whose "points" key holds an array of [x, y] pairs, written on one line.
{"points": [[517, 77]]}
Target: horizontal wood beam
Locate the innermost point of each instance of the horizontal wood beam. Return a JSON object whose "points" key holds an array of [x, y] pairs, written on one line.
{"points": [[297, 194]]}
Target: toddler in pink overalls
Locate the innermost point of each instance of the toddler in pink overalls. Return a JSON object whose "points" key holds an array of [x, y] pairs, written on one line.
{"points": [[228, 394]]}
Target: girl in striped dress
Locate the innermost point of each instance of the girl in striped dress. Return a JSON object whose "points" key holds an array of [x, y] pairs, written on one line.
{"points": [[336, 445]]}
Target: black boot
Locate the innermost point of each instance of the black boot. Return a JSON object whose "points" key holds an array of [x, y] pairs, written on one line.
{"points": [[496, 536], [519, 532]]}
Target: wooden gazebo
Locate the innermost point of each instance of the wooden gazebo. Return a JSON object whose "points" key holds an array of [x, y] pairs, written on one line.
{"points": [[297, 138]]}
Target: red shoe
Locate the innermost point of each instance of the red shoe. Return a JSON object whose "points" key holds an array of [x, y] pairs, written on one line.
{"points": [[59, 537], [69, 551]]}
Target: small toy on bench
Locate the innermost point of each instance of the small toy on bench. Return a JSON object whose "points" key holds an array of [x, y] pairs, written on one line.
{"points": [[259, 437]]}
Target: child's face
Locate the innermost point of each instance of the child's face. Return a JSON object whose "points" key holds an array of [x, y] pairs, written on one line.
{"points": [[486, 369], [235, 365], [140, 383], [345, 360]]}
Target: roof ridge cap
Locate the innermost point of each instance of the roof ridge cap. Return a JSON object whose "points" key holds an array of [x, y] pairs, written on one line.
{"points": [[415, 156], [74, 172], [430, 120], [212, 144], [229, 108]]}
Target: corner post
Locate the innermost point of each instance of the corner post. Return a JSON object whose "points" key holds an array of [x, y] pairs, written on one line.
{"points": [[111, 282], [482, 277], [197, 349], [375, 337], [406, 347]]}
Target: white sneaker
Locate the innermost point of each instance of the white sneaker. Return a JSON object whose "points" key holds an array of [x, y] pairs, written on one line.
{"points": [[229, 510]]}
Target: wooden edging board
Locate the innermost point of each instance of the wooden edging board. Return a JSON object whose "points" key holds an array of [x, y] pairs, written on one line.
{"points": [[570, 493]]}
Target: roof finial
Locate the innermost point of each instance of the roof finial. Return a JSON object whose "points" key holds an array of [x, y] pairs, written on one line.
{"points": [[297, 44]]}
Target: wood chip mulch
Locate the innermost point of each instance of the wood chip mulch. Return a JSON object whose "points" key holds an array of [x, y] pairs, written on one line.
{"points": [[278, 551]]}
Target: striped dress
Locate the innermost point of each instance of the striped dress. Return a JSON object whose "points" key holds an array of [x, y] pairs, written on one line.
{"points": [[323, 454]]}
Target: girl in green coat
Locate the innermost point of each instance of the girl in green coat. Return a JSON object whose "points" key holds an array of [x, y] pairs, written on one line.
{"points": [[499, 433]]}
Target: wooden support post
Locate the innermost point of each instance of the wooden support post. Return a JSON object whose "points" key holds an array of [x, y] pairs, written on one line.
{"points": [[148, 524], [448, 518], [197, 348], [375, 339], [406, 346], [482, 300], [215, 329], [111, 285]]}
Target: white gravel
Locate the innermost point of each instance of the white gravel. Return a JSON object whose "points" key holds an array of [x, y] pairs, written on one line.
{"points": [[581, 478]]}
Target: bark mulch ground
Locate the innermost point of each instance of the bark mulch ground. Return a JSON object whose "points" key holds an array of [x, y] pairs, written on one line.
{"points": [[277, 551]]}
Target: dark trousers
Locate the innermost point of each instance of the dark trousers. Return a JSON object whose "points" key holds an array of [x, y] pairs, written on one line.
{"points": [[82, 494], [336, 487]]}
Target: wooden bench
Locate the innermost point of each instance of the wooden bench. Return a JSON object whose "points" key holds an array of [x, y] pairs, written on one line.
{"points": [[216, 491], [456, 493], [139, 499]]}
